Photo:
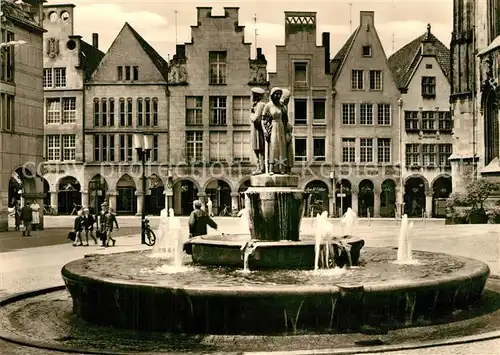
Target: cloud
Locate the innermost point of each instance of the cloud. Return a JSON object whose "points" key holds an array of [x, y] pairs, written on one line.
{"points": [[265, 30]]}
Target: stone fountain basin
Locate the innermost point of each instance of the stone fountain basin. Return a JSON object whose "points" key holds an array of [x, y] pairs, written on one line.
{"points": [[225, 250], [130, 290]]}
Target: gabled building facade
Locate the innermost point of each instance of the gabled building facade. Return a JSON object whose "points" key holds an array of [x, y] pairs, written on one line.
{"points": [[210, 154], [366, 124], [303, 67], [21, 105], [126, 94], [68, 62], [422, 72]]}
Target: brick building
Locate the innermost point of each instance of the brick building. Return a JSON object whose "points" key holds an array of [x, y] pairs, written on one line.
{"points": [[422, 71], [304, 68], [21, 105], [68, 62], [366, 124]]}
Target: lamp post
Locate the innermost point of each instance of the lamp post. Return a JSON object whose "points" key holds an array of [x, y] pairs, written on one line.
{"points": [[6, 45], [143, 144], [400, 196]]}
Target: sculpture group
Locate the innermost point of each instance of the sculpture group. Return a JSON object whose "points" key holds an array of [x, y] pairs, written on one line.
{"points": [[271, 132]]}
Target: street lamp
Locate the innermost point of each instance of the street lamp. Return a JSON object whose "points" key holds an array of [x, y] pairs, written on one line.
{"points": [[400, 196], [143, 144], [6, 45]]}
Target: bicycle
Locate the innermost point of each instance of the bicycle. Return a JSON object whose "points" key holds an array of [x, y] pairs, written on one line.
{"points": [[225, 211], [49, 210], [149, 235]]}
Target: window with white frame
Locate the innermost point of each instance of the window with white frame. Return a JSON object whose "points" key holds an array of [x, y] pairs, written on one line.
{"points": [[48, 81], [444, 154], [445, 121], [194, 110], [348, 150], [428, 121], [429, 154], [97, 112], [366, 150], [429, 87], [59, 77], [218, 67], [69, 147], [366, 114], [69, 110], [357, 80], [241, 147], [412, 155], [154, 152], [194, 146], [411, 120], [129, 111], [111, 117], [104, 112], [147, 111], [7, 64], [384, 150], [126, 148], [384, 114], [140, 112], [53, 146], [104, 147], [319, 110], [218, 146], [218, 111], [53, 110], [241, 110], [300, 73], [300, 146], [319, 148], [348, 113], [376, 80]]}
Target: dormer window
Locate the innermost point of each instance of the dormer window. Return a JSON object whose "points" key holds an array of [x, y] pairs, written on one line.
{"points": [[127, 73], [367, 51]]}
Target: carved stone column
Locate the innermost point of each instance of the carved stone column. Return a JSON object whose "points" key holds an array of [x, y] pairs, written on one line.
{"points": [[112, 199], [354, 199], [54, 197], [376, 203], [428, 203], [331, 205], [235, 202], [85, 199]]}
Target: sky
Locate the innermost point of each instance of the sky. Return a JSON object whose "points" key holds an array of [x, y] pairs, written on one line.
{"points": [[164, 23]]}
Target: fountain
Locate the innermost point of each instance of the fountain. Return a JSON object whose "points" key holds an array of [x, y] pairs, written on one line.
{"points": [[170, 241], [404, 246]]}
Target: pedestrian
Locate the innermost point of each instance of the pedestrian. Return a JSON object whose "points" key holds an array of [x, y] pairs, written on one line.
{"points": [[88, 223], [101, 221], [17, 216], [35, 211], [198, 221], [79, 225], [110, 221], [26, 217], [210, 207]]}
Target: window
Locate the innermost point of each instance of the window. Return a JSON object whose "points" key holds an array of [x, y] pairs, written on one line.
{"points": [[300, 74], [69, 110], [348, 114], [147, 108], [429, 86], [124, 73], [53, 107], [155, 111], [125, 147], [366, 150], [120, 73], [154, 152], [140, 112], [429, 154], [348, 150], [357, 82], [218, 67], [127, 73], [97, 148], [300, 149], [97, 112], [111, 112], [319, 114], [122, 112], [428, 66], [300, 111], [129, 112], [428, 121], [445, 121], [367, 51], [60, 77], [194, 110], [411, 120], [47, 78], [384, 114], [366, 114], [7, 55], [104, 148], [384, 150], [136, 73], [104, 112], [444, 153], [376, 80], [144, 112], [53, 147], [241, 147], [319, 149], [218, 110], [69, 147], [7, 111], [218, 146], [241, 110], [194, 146], [412, 155]]}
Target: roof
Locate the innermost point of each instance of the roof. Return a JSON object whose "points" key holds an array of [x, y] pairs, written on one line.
{"points": [[90, 57], [157, 59], [338, 61], [404, 61], [16, 13]]}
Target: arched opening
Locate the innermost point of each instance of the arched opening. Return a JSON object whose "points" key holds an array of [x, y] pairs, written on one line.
{"points": [[69, 196], [318, 198], [219, 192], [243, 187], [414, 197], [365, 198], [388, 199], [46, 193], [184, 193], [491, 128], [441, 190], [126, 201], [15, 190], [155, 200], [343, 199], [98, 188], [21, 186]]}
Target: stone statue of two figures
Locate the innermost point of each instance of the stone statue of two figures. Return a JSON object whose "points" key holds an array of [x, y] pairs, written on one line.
{"points": [[271, 132], [170, 237]]}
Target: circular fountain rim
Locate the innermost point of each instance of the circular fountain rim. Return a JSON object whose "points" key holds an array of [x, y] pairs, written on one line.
{"points": [[204, 239]]}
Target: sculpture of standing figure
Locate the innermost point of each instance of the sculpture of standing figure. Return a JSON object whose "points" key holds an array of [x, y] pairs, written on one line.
{"points": [[257, 133], [290, 156], [274, 132]]}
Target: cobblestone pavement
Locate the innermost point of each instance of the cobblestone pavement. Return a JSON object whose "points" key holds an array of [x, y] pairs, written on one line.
{"points": [[37, 267]]}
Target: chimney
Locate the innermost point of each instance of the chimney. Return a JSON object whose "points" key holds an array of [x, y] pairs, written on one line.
{"points": [[95, 40], [180, 50], [367, 20], [326, 45], [259, 53]]}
